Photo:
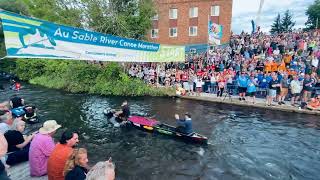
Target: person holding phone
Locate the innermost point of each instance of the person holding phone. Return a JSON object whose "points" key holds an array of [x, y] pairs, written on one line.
{"points": [[18, 144]]}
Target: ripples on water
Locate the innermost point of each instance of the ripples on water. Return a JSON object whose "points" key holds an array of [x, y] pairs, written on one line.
{"points": [[244, 143]]}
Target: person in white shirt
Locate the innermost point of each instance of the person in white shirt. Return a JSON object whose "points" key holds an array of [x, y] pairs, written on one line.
{"points": [[314, 63], [296, 88], [6, 121], [199, 84], [276, 51]]}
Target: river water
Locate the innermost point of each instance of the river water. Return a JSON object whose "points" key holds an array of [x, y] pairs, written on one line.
{"points": [[244, 143]]}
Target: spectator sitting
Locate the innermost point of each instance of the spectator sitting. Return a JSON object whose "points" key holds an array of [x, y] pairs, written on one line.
{"points": [[6, 121], [41, 148], [3, 151], [18, 145], [76, 166], [60, 154], [314, 104], [102, 171]]}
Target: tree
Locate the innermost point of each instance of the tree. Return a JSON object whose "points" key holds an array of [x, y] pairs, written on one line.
{"points": [[65, 12], [15, 6], [125, 18], [276, 26], [313, 13], [287, 22]]}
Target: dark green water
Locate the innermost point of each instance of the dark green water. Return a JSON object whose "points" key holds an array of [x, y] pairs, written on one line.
{"points": [[244, 143]]}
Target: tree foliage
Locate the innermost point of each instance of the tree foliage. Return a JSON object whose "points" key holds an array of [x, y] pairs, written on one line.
{"points": [[313, 13], [282, 25], [80, 77], [287, 22], [125, 18], [276, 26], [15, 6], [64, 12]]}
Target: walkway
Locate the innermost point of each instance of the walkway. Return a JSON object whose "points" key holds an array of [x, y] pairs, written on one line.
{"points": [[260, 103], [22, 172]]}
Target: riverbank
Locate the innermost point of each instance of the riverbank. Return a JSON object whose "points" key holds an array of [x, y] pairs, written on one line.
{"points": [[260, 103], [81, 77]]}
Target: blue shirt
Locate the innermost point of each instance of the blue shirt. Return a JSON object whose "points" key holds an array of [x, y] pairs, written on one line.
{"points": [[264, 83], [269, 78], [243, 81], [186, 125], [260, 77], [251, 87], [221, 67], [279, 77]]}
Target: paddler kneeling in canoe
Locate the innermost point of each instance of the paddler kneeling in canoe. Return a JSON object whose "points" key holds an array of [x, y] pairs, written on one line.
{"points": [[184, 125], [122, 115]]}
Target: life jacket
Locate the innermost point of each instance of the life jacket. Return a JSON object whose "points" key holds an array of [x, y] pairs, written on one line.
{"points": [[17, 86], [18, 112]]}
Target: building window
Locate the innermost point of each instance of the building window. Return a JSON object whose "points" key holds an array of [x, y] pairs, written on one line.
{"points": [[215, 10], [173, 13], [193, 12], [193, 31], [155, 17], [154, 33], [173, 32]]}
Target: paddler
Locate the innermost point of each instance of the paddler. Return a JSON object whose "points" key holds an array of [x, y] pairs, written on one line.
{"points": [[184, 125], [121, 115], [124, 113]]}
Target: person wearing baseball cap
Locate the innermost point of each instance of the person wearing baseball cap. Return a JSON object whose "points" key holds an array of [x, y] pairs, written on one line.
{"points": [[41, 148]]}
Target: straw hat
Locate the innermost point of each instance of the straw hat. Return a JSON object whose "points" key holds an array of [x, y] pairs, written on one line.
{"points": [[49, 126]]}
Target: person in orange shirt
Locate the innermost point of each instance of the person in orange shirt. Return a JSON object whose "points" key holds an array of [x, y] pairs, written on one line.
{"points": [[60, 154], [282, 66], [287, 58], [267, 67], [314, 104], [274, 66]]}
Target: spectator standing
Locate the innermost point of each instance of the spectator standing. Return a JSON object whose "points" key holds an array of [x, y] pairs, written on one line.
{"points": [[273, 85], [242, 85], [295, 90], [251, 90], [284, 87]]}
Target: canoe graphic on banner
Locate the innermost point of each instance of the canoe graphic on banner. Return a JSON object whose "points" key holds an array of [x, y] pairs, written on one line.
{"points": [[215, 32], [27, 37]]}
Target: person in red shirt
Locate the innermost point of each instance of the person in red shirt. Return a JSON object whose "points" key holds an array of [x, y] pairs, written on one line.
{"points": [[60, 154]]}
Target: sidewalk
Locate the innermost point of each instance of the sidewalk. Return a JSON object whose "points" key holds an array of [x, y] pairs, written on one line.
{"points": [[22, 172], [260, 103]]}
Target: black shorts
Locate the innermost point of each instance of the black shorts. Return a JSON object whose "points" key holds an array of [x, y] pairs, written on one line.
{"points": [[242, 89], [251, 94], [278, 91], [296, 94]]}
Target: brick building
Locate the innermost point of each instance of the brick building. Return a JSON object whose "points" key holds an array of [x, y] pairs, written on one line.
{"points": [[184, 22]]}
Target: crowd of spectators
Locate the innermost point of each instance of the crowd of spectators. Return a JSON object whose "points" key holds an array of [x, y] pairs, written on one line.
{"points": [[275, 67], [59, 161]]}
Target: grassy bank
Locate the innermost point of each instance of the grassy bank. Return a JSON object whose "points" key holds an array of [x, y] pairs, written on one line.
{"points": [[80, 77]]}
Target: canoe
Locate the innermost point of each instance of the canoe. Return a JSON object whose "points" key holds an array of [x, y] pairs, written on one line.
{"points": [[154, 126]]}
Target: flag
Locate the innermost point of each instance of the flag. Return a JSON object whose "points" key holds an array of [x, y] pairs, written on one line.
{"points": [[215, 32]]}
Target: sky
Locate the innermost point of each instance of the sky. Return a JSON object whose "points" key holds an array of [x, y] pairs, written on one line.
{"points": [[245, 10]]}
